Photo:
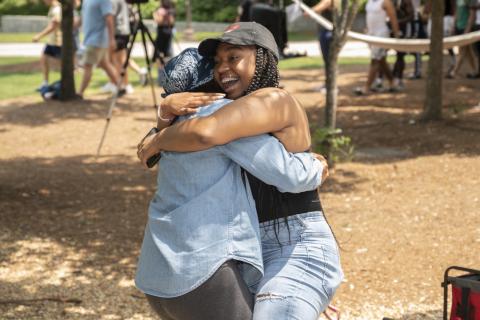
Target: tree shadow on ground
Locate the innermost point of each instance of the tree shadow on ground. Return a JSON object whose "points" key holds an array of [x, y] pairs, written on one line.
{"points": [[427, 315], [19, 111], [399, 130], [82, 220]]}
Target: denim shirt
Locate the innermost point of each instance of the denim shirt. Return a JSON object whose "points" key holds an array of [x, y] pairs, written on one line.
{"points": [[203, 213]]}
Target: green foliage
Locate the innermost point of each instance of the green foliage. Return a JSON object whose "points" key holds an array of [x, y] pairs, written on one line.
{"points": [[211, 10], [205, 10], [331, 144], [147, 9], [23, 7]]}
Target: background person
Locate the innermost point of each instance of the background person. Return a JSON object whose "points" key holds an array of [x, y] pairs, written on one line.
{"points": [[324, 35], [243, 11], [405, 14], [462, 12], [52, 53], [164, 17], [99, 37], [122, 37], [377, 13], [474, 25], [272, 18]]}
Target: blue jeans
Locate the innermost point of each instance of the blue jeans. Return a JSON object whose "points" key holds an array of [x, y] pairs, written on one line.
{"points": [[302, 268], [325, 38]]}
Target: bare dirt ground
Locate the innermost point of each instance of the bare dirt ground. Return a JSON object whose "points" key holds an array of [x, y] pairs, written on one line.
{"points": [[71, 225]]}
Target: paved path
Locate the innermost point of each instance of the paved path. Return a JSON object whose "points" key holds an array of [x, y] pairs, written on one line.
{"points": [[351, 49]]}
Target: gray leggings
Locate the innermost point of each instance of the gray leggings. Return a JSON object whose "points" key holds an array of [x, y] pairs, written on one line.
{"points": [[223, 296]]}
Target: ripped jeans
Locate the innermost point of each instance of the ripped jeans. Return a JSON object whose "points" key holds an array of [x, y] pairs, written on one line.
{"points": [[302, 269]]}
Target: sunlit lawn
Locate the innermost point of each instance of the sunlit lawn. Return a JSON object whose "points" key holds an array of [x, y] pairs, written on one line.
{"points": [[198, 36], [17, 84]]}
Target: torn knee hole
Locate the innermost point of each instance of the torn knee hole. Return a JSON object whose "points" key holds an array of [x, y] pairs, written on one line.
{"points": [[268, 296]]}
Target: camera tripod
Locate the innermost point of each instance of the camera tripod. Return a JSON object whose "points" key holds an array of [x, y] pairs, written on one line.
{"points": [[139, 26]]}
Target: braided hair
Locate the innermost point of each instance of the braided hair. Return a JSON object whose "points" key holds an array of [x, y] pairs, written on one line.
{"points": [[266, 71], [267, 197]]}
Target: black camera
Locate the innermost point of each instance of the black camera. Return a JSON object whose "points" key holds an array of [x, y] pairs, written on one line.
{"points": [[136, 1]]}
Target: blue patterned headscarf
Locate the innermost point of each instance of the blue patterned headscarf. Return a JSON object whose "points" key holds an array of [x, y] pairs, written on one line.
{"points": [[186, 72]]}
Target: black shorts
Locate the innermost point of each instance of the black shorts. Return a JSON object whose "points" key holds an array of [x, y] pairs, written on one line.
{"points": [[121, 41], [53, 51]]}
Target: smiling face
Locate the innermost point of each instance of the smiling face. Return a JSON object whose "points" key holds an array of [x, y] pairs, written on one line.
{"points": [[234, 68]]}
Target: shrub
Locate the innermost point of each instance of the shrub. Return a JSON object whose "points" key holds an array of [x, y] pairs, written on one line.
{"points": [[332, 145], [23, 7]]}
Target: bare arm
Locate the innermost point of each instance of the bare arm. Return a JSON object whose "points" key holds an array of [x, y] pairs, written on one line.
{"points": [[471, 20], [48, 29], [265, 110], [322, 6], [390, 10], [111, 30]]}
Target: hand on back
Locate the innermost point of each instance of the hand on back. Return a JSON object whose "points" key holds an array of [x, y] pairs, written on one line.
{"points": [[178, 104]]}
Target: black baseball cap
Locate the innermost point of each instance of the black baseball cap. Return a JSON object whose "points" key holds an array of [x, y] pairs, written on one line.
{"points": [[243, 34]]}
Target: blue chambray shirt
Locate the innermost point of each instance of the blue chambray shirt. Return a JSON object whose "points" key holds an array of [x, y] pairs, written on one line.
{"points": [[203, 213]]}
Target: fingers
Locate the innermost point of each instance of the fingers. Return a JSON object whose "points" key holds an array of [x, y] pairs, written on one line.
{"points": [[202, 100], [208, 94]]}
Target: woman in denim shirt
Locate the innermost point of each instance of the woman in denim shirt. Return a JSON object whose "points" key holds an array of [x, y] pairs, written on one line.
{"points": [[301, 260], [202, 225]]}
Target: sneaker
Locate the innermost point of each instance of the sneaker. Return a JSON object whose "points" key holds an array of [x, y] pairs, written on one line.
{"points": [[143, 79], [119, 93], [129, 89], [109, 87], [378, 84]]}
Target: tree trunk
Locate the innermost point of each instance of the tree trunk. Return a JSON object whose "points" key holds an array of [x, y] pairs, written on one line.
{"points": [[432, 108], [331, 87], [67, 78], [342, 21], [188, 32]]}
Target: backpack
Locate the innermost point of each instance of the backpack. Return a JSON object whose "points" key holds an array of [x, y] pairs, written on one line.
{"points": [[51, 91]]}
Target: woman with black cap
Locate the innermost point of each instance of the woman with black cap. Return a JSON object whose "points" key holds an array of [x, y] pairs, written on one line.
{"points": [[301, 260], [202, 246]]}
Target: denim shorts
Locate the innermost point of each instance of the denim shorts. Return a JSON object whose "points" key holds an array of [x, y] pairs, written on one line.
{"points": [[302, 268]]}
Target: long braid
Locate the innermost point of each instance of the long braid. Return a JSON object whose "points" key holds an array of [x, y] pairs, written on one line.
{"points": [[267, 76], [266, 71], [267, 198]]}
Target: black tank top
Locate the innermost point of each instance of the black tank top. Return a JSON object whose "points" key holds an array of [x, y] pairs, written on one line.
{"points": [[272, 204]]}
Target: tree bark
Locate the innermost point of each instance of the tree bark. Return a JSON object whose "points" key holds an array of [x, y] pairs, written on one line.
{"points": [[342, 22], [67, 72], [432, 108]]}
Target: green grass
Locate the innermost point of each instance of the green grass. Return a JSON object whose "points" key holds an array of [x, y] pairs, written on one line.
{"points": [[17, 84], [16, 37], [21, 84], [5, 61], [198, 36]]}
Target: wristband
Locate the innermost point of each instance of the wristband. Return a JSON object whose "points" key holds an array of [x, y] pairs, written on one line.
{"points": [[159, 115]]}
